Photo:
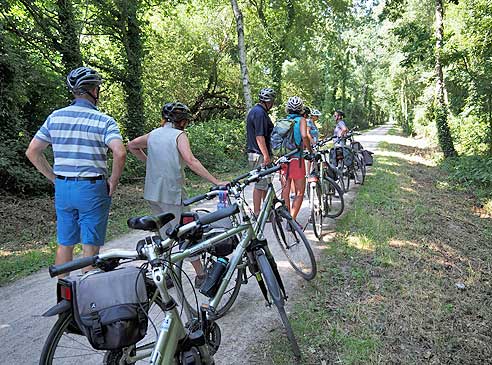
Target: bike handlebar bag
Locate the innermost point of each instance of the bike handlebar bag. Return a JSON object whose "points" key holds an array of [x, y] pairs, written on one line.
{"points": [[111, 307]]}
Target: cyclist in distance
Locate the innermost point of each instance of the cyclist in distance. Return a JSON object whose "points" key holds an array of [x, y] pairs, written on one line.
{"points": [[259, 128], [312, 127], [80, 136], [313, 131], [340, 126], [295, 170], [168, 150]]}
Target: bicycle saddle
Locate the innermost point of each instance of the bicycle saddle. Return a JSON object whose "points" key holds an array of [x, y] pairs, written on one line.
{"points": [[150, 222]]}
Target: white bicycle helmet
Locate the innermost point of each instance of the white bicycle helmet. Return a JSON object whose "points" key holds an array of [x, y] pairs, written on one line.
{"points": [[83, 79], [315, 112], [266, 94], [295, 105]]}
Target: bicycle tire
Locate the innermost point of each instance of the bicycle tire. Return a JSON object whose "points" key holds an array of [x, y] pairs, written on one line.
{"points": [[302, 261], [189, 290], [363, 166], [357, 171], [343, 175], [76, 349], [316, 204], [277, 299], [333, 198]]}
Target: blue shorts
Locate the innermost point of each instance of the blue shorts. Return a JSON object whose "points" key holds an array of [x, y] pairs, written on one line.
{"points": [[82, 210]]}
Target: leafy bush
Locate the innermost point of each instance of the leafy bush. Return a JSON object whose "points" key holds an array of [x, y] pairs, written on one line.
{"points": [[471, 170], [17, 175], [219, 144], [473, 173]]}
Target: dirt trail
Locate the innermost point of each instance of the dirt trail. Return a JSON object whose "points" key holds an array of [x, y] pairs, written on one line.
{"points": [[23, 330]]}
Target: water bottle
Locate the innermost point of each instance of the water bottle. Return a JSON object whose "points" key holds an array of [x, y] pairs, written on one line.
{"points": [[212, 282]]}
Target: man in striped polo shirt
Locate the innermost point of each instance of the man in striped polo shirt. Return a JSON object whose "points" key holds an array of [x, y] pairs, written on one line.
{"points": [[80, 136]]}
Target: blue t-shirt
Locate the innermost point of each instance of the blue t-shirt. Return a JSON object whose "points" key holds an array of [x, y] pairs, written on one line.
{"points": [[79, 135], [258, 123], [313, 130]]}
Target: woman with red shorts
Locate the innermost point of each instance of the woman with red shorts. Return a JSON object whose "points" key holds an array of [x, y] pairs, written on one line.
{"points": [[295, 170]]}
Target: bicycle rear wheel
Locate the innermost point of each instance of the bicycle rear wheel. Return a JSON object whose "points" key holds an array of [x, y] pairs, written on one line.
{"points": [[343, 175], [277, 299], [316, 204], [186, 275], [294, 243], [65, 347]]}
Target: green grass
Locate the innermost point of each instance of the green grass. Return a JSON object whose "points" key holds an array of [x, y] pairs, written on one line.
{"points": [[385, 291]]}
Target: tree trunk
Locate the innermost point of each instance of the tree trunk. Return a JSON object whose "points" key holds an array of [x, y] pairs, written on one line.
{"points": [[441, 113], [134, 123], [248, 103], [277, 62], [69, 42]]}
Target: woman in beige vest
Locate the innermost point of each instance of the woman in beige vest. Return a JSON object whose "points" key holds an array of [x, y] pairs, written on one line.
{"points": [[168, 151]]}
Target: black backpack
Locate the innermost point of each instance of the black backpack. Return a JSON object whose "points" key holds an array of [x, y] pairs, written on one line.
{"points": [[110, 308]]}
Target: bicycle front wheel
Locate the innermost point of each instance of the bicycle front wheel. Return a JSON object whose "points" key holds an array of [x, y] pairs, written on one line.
{"points": [[277, 299], [294, 243], [357, 170], [65, 345], [316, 204]]}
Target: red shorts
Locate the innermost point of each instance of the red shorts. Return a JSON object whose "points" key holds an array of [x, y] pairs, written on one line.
{"points": [[295, 170]]}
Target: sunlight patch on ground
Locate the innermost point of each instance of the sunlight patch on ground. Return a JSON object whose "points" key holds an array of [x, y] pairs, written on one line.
{"points": [[410, 142], [402, 243], [407, 189], [5, 253], [360, 242], [407, 157]]}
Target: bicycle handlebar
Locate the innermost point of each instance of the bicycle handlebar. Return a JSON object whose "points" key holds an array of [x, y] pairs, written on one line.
{"points": [[76, 264], [219, 214], [194, 199]]}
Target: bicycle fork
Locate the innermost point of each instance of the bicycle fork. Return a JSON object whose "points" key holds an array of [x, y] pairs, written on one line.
{"points": [[260, 247]]}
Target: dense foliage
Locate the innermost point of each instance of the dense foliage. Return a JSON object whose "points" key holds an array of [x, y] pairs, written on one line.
{"points": [[377, 61]]}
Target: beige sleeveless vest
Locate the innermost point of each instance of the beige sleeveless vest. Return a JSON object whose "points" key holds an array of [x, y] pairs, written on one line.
{"points": [[164, 178]]}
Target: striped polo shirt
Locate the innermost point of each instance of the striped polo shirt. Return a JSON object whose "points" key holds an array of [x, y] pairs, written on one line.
{"points": [[79, 135]]}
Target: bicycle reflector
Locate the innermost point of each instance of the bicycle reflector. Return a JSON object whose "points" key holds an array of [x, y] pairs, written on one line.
{"points": [[188, 217], [64, 290]]}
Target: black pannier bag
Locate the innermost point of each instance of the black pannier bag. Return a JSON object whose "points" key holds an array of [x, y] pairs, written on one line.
{"points": [[110, 308], [222, 248], [368, 159], [331, 172], [341, 153], [356, 146]]}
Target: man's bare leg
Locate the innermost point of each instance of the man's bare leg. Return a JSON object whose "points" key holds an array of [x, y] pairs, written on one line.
{"points": [[63, 254], [89, 250], [258, 197]]}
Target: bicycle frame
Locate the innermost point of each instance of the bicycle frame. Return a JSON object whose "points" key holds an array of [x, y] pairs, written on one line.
{"points": [[252, 233]]}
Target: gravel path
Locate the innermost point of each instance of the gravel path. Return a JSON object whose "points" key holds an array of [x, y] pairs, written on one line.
{"points": [[23, 330]]}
